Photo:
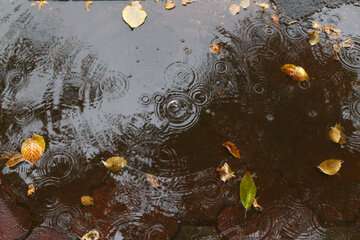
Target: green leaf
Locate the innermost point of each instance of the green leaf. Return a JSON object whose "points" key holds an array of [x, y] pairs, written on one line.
{"points": [[247, 190]]}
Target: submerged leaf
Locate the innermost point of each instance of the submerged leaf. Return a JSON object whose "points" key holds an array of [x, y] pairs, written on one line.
{"points": [[14, 160], [232, 148], [134, 14], [31, 190], [33, 148], [225, 172], [87, 201], [153, 180], [215, 48], [330, 166], [169, 4], [247, 190], [234, 9], [244, 3], [115, 164], [336, 134], [92, 235], [295, 72], [314, 38]]}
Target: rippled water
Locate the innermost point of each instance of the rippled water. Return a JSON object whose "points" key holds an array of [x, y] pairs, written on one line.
{"points": [[158, 97]]}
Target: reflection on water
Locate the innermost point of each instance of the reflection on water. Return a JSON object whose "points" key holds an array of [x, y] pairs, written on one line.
{"points": [[158, 97]]}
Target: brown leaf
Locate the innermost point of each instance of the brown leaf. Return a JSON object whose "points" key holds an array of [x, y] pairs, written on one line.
{"points": [[87, 201], [14, 160], [232, 148], [31, 190], [215, 48], [336, 134], [92, 235], [276, 20], [225, 172], [234, 9], [295, 72], [169, 4], [115, 164], [153, 180], [314, 37], [331, 166]]}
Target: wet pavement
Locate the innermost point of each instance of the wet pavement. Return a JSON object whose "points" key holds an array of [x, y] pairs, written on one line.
{"points": [[156, 95]]}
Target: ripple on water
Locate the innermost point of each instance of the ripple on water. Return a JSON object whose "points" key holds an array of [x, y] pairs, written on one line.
{"points": [[350, 57], [179, 75]]}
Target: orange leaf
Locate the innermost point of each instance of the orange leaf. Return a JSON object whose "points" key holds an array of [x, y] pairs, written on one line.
{"points": [[232, 148]]}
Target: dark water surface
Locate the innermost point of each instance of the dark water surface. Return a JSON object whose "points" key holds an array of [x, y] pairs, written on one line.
{"points": [[157, 96]]}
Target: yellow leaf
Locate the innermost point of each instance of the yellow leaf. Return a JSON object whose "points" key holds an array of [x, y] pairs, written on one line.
{"points": [[330, 166], [225, 172], [134, 14], [92, 235], [232, 148], [295, 72], [244, 3], [169, 4], [153, 180], [14, 160], [31, 190], [316, 25], [215, 48], [336, 134], [115, 164], [234, 9], [87, 5], [33, 148], [87, 201], [263, 6], [40, 3], [314, 38]]}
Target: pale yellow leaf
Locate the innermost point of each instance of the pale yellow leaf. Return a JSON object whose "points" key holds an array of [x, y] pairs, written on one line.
{"points": [[225, 172], [244, 3], [234, 9], [314, 38], [92, 235], [134, 14]]}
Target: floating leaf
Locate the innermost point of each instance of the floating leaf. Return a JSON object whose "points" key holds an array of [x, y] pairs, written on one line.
{"points": [[31, 190], [314, 38], [316, 25], [336, 134], [40, 3], [234, 9], [244, 3], [115, 164], [215, 48], [92, 235], [153, 180], [263, 6], [14, 160], [247, 190], [134, 14], [296, 72], [87, 201], [276, 20], [332, 31], [225, 172], [169, 4], [257, 206], [330, 166], [186, 2], [33, 148], [88, 5], [232, 148]]}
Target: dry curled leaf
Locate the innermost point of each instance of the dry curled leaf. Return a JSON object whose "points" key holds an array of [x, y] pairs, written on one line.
{"points": [[247, 190], [134, 14], [92, 235], [263, 6], [87, 201], [169, 4], [31, 190], [88, 5], [14, 160], [244, 3], [115, 164], [215, 48], [33, 148], [295, 72], [336, 134], [314, 37], [256, 205], [225, 172], [232, 148], [276, 20], [330, 166], [153, 180], [234, 9], [331, 31]]}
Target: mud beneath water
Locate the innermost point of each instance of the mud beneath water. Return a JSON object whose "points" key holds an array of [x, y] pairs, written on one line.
{"points": [[157, 96]]}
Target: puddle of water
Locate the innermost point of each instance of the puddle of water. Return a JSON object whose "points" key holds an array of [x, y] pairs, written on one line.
{"points": [[157, 96]]}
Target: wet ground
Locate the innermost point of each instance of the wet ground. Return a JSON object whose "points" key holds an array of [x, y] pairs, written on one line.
{"points": [[157, 96]]}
